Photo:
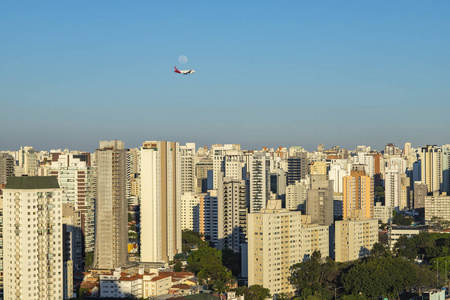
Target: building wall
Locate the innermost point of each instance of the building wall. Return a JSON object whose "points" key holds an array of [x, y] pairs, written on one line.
{"points": [[355, 238], [319, 204], [296, 195], [160, 201], [190, 205], [111, 238], [6, 167], [276, 241], [438, 206], [188, 179], [33, 267], [358, 194], [235, 213], [392, 185], [259, 181]]}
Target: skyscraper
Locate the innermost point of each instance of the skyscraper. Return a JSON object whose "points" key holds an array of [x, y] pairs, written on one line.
{"points": [[111, 238], [188, 180], [432, 172], [6, 167], [392, 184], [358, 195], [160, 201], [259, 181], [297, 167], [77, 181], [33, 264], [233, 198], [319, 204]]}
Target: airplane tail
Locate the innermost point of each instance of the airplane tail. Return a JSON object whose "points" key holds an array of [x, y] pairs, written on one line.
{"points": [[176, 70]]}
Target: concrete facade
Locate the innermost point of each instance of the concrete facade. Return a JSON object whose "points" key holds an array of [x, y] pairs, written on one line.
{"points": [[160, 201], [33, 266], [111, 238]]}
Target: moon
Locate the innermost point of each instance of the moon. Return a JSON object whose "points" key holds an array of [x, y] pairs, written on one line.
{"points": [[182, 59]]}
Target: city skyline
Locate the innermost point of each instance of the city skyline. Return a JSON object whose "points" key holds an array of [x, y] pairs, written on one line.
{"points": [[267, 74]]}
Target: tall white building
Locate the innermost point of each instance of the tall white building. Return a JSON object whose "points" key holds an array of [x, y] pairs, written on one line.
{"points": [[160, 201], [218, 153], [296, 195], [190, 205], [28, 162], [392, 185], [337, 174], [188, 179], [33, 264], [367, 160], [432, 164], [77, 181]]}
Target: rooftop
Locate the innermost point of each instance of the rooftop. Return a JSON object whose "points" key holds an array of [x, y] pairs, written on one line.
{"points": [[32, 182]]}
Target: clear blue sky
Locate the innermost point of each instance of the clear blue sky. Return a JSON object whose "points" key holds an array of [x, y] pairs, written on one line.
{"points": [[269, 73]]}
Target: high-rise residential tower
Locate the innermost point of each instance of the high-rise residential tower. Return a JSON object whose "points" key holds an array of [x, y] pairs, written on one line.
{"points": [[319, 204], [33, 266], [188, 179], [77, 181], [297, 167], [259, 181], [233, 198], [111, 235], [432, 164], [6, 167], [160, 201], [358, 194], [392, 184]]}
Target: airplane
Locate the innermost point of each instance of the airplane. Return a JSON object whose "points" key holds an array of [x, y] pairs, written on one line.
{"points": [[184, 72]]}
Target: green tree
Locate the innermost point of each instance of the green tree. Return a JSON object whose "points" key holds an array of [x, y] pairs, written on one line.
{"points": [[255, 292], [89, 259], [282, 296], [425, 277], [206, 263], [402, 220], [312, 277], [190, 239], [353, 297], [177, 267], [406, 248], [379, 250], [383, 276]]}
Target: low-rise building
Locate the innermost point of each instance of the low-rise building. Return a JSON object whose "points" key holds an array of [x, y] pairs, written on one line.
{"points": [[382, 213], [140, 285], [395, 232], [277, 239], [437, 206], [354, 238]]}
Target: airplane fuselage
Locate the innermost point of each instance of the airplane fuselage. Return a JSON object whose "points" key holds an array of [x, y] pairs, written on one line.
{"points": [[184, 72]]}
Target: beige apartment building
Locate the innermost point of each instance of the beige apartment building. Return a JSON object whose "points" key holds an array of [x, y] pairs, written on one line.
{"points": [[277, 239], [438, 206], [160, 201], [33, 266], [354, 238]]}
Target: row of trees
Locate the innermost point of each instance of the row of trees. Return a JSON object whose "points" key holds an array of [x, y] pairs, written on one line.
{"points": [[381, 274]]}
